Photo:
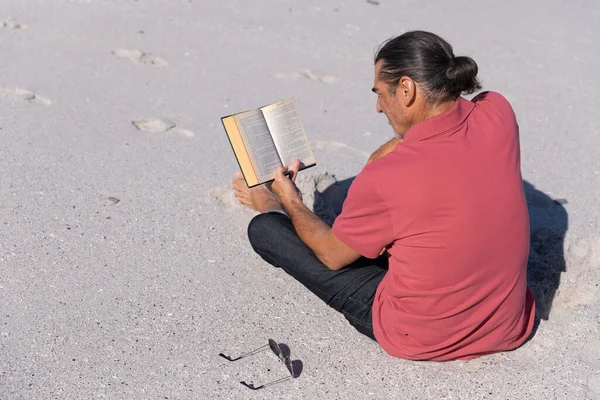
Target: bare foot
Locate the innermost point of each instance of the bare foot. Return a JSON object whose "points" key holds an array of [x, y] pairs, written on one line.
{"points": [[258, 198]]}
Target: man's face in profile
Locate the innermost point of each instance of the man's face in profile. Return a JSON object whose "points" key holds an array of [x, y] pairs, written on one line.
{"points": [[388, 103]]}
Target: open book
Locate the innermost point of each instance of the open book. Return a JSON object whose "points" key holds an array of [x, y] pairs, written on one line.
{"points": [[266, 138]]}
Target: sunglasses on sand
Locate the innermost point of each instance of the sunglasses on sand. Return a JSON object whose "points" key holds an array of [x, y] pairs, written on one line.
{"points": [[276, 349]]}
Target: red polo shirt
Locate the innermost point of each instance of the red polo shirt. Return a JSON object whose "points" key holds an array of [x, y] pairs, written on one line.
{"points": [[449, 205]]}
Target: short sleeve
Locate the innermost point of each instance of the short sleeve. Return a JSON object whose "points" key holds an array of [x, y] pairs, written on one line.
{"points": [[365, 223]]}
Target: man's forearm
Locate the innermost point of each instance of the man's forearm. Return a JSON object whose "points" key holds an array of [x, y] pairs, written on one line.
{"points": [[309, 227]]}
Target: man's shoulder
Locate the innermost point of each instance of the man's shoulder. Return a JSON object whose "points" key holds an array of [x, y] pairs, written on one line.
{"points": [[493, 97], [385, 170], [493, 101]]}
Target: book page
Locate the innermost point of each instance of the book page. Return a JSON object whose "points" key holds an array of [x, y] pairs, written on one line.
{"points": [[288, 133], [259, 143]]}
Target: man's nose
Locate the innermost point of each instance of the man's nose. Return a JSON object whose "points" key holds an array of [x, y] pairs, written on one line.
{"points": [[379, 109]]}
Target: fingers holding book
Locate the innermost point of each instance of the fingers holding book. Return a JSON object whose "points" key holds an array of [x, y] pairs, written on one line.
{"points": [[283, 185], [292, 172], [269, 197]]}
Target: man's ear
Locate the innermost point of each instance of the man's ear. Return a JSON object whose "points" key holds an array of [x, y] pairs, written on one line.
{"points": [[406, 90]]}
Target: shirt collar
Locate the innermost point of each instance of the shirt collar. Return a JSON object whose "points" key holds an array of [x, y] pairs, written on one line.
{"points": [[440, 123]]}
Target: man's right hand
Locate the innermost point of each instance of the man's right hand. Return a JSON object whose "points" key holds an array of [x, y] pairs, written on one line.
{"points": [[283, 186], [387, 148]]}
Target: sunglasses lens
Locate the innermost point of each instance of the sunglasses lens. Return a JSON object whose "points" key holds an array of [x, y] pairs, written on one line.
{"points": [[276, 349], [290, 366]]}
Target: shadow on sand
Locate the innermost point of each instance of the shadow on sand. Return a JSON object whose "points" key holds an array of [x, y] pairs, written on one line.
{"points": [[549, 222]]}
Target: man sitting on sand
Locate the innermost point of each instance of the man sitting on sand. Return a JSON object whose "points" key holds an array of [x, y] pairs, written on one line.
{"points": [[429, 254]]}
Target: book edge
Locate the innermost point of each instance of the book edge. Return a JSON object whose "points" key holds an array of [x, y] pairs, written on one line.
{"points": [[235, 154]]}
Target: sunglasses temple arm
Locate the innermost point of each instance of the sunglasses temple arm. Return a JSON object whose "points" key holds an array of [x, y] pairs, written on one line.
{"points": [[252, 352], [287, 378]]}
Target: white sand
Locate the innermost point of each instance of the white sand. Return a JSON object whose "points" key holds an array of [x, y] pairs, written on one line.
{"points": [[124, 268]]}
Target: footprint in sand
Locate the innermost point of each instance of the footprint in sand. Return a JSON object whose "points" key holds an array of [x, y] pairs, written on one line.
{"points": [[19, 94], [139, 57], [13, 25], [585, 253], [590, 354], [310, 75], [579, 288], [161, 125], [223, 196], [593, 386]]}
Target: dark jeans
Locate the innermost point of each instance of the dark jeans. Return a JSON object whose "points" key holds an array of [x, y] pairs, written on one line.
{"points": [[350, 290]]}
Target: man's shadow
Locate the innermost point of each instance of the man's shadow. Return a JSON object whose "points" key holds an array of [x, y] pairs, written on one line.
{"points": [[549, 223]]}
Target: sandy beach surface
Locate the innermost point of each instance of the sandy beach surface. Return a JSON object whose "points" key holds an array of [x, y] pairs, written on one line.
{"points": [[124, 263]]}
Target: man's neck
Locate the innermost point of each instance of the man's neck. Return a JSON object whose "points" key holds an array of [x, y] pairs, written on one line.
{"points": [[430, 111], [427, 111]]}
